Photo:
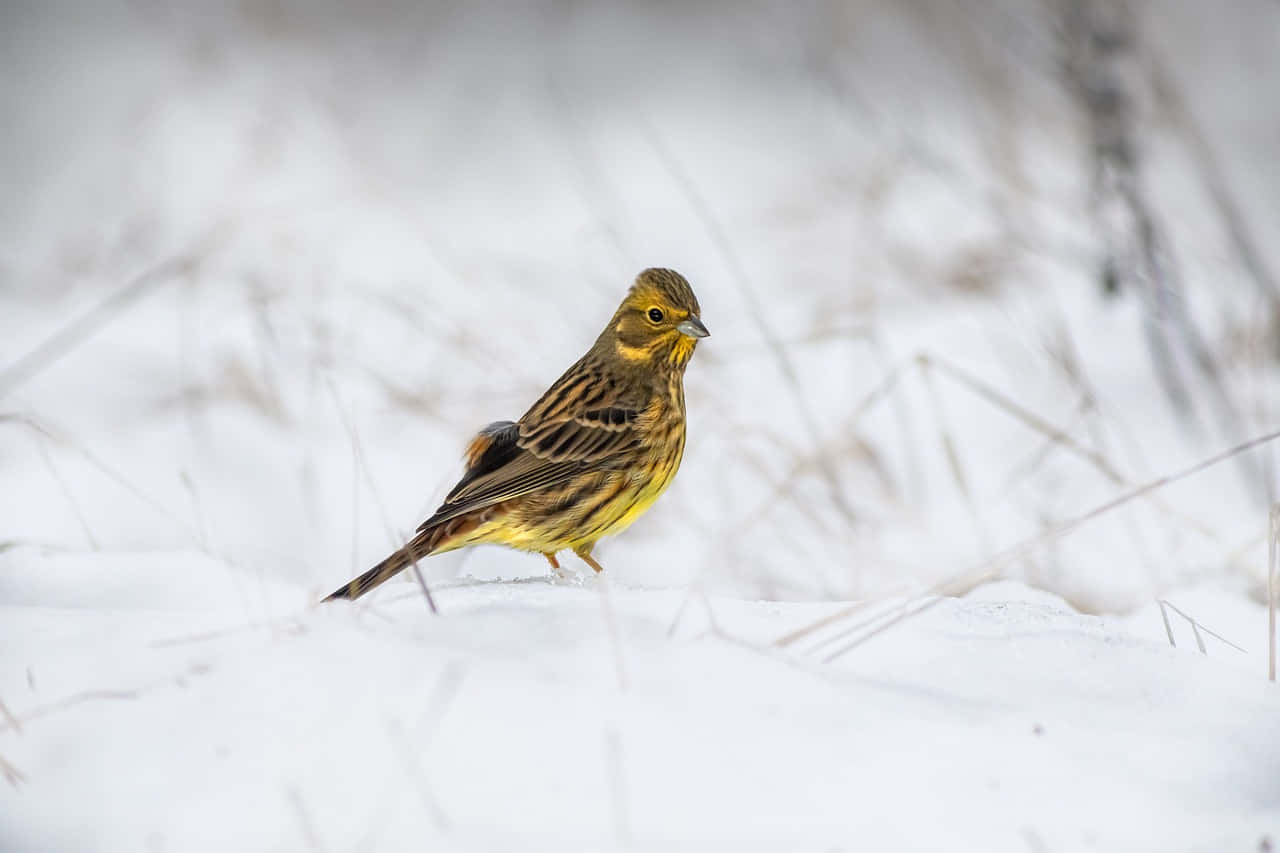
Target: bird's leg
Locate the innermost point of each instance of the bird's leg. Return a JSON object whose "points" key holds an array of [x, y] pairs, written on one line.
{"points": [[585, 554], [555, 564]]}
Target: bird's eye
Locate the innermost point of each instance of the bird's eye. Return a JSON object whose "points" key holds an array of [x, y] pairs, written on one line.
{"points": [[655, 315]]}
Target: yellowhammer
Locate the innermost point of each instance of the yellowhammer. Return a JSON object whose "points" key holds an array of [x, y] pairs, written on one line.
{"points": [[596, 450]]}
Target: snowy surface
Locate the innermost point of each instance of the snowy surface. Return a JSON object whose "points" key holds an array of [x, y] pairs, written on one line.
{"points": [[265, 266], [1000, 721]]}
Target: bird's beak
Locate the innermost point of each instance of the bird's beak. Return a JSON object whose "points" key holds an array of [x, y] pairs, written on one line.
{"points": [[693, 327]]}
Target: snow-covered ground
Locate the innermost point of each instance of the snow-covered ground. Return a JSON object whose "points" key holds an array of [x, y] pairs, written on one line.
{"points": [[264, 268], [519, 720]]}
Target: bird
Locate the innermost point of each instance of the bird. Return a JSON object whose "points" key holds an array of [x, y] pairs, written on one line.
{"points": [[588, 458]]}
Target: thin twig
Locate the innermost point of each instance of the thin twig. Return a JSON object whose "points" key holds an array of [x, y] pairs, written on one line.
{"points": [[362, 463], [951, 452], [8, 715], [1053, 434], [1168, 629], [65, 488], [830, 618], [109, 472], [742, 280], [106, 694], [304, 819], [611, 624], [70, 701], [11, 773], [879, 392], [1215, 183], [1104, 57], [1273, 565], [675, 620], [952, 589], [1025, 415], [79, 330], [695, 590], [1197, 627], [882, 617], [992, 568], [1195, 631]]}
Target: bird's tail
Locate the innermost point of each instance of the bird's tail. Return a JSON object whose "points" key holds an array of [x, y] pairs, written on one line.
{"points": [[417, 548]]}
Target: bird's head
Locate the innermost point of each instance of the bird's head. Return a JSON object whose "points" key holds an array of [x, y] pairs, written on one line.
{"points": [[658, 322]]}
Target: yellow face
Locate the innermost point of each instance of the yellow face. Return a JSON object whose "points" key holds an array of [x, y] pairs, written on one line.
{"points": [[658, 322]]}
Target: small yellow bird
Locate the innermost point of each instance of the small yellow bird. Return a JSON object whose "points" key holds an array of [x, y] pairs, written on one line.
{"points": [[596, 450]]}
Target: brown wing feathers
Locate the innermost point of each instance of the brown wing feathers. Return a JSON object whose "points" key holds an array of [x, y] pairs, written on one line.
{"points": [[582, 423]]}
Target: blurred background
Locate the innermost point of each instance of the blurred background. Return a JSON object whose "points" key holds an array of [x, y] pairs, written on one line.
{"points": [[970, 270]]}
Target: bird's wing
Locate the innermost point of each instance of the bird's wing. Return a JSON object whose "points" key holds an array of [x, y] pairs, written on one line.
{"points": [[586, 421]]}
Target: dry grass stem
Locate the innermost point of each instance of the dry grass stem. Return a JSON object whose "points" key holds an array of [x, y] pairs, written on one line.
{"points": [[755, 309], [882, 617], [13, 721], [110, 473], [1196, 628], [992, 568], [11, 773], [78, 331], [952, 454], [65, 488], [305, 823], [1164, 617], [1273, 578], [615, 636], [951, 589], [831, 618], [1053, 434], [1215, 182], [1028, 417], [362, 465]]}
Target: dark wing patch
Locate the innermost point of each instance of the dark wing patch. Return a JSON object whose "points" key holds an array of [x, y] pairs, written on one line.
{"points": [[491, 446], [614, 417], [607, 432], [588, 415]]}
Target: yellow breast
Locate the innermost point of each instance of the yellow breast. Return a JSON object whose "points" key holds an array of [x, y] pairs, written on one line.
{"points": [[651, 478], [644, 491]]}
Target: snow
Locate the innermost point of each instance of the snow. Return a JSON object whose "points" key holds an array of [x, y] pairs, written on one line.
{"points": [[1000, 721], [362, 233]]}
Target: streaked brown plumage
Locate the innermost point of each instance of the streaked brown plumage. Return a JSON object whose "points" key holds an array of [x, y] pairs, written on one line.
{"points": [[589, 457]]}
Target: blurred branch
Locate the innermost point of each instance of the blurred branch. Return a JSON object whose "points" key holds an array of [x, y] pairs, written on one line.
{"points": [[46, 432], [1102, 56], [305, 822], [362, 466], [755, 309], [952, 453], [993, 568], [1273, 562], [84, 327], [1215, 182], [11, 773], [14, 723], [1196, 628]]}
